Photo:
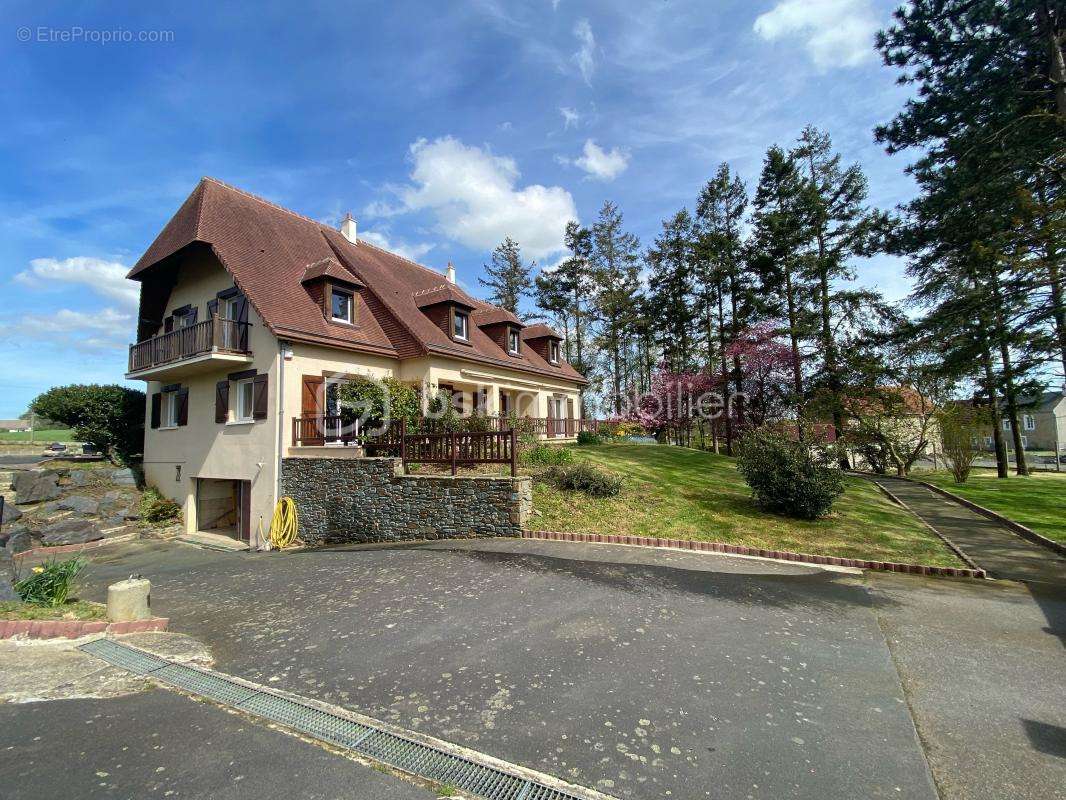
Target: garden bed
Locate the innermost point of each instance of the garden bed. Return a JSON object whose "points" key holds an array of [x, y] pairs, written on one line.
{"points": [[679, 493]]}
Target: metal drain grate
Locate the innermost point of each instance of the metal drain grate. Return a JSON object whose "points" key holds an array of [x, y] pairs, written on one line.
{"points": [[491, 781]]}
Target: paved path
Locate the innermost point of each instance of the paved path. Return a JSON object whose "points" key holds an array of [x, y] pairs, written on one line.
{"points": [[1000, 551]]}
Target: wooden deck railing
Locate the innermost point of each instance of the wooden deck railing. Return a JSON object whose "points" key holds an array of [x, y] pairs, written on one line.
{"points": [[215, 334]]}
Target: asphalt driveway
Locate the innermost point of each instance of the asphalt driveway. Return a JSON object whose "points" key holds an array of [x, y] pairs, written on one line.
{"points": [[642, 674]]}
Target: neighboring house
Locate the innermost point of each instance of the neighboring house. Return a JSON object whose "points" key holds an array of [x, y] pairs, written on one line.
{"points": [[14, 425], [1043, 421], [251, 315]]}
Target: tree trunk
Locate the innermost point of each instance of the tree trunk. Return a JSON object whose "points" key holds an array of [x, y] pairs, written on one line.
{"points": [[727, 399], [793, 335], [1057, 66], [1002, 467], [1010, 391]]}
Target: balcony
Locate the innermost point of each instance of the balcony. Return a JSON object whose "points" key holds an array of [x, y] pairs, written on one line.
{"points": [[213, 344]]}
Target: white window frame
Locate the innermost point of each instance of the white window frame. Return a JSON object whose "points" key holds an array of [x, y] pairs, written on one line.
{"points": [[1006, 424], [553, 352], [350, 319], [239, 414], [514, 341], [465, 318], [168, 417], [1028, 422], [1025, 442]]}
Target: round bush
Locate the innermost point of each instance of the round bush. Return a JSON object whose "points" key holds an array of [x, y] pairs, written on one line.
{"points": [[584, 478], [546, 455], [788, 477]]}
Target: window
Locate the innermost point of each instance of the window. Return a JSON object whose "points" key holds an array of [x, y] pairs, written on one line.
{"points": [[245, 400], [460, 326], [553, 351], [1006, 424], [988, 441], [341, 306], [513, 342], [1029, 422], [170, 410]]}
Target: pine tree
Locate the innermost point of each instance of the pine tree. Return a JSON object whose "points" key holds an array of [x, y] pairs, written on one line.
{"points": [[616, 285], [671, 264], [509, 279]]}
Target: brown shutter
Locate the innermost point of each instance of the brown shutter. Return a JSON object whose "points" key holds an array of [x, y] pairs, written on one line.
{"points": [[182, 399], [242, 317], [168, 324], [212, 308], [259, 397], [157, 407], [222, 401], [312, 404], [194, 313]]}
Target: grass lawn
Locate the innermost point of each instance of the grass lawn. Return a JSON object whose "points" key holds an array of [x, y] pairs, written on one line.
{"points": [[75, 609], [671, 492], [1038, 502], [45, 437]]}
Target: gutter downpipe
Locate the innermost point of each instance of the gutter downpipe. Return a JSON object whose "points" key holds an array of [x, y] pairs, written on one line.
{"points": [[282, 347]]}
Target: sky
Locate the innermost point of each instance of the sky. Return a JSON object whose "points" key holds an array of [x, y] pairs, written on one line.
{"points": [[442, 127]]}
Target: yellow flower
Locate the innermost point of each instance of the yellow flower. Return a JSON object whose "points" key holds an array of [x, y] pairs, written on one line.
{"points": [[38, 569]]}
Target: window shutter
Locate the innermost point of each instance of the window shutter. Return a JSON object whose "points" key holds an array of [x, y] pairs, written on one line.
{"points": [[194, 312], [168, 324], [157, 407], [212, 308], [242, 317], [222, 401], [182, 399], [259, 397]]}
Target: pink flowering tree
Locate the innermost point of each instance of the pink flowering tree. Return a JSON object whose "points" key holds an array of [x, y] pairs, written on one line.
{"points": [[766, 368], [675, 402]]}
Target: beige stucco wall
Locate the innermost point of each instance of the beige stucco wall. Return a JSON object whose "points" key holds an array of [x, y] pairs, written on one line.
{"points": [[204, 448]]}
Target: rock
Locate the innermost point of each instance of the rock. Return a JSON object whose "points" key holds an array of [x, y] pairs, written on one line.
{"points": [[70, 531], [11, 514], [7, 573], [35, 486], [123, 477], [18, 541], [117, 521], [129, 600], [78, 504], [79, 477]]}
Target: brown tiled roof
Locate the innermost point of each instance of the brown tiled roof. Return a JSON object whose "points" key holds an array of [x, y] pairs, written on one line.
{"points": [[445, 293], [494, 315], [268, 250], [329, 267], [539, 331]]}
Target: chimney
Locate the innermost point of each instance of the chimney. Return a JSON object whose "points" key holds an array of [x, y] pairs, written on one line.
{"points": [[348, 229], [451, 273]]}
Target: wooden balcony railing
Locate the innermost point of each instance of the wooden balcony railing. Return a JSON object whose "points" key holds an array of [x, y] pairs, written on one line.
{"points": [[211, 335]]}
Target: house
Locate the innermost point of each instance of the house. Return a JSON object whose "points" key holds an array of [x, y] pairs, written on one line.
{"points": [[251, 315], [14, 425], [1043, 421]]}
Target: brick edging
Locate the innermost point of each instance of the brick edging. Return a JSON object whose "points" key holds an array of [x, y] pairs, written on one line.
{"points": [[76, 628], [1016, 527], [77, 548], [951, 545], [743, 550]]}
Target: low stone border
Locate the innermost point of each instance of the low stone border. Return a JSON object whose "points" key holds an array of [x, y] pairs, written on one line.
{"points": [[743, 550], [76, 628], [1017, 527], [951, 545], [77, 548]]}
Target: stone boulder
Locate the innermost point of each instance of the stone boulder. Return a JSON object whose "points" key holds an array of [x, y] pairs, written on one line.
{"points": [[18, 540], [123, 477], [7, 573], [36, 486], [11, 514], [79, 477], [78, 504], [70, 531]]}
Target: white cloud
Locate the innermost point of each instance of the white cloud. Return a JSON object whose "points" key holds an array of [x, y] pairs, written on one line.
{"points": [[106, 278], [476, 201], [412, 252], [571, 117], [601, 164], [89, 331], [837, 33], [586, 54]]}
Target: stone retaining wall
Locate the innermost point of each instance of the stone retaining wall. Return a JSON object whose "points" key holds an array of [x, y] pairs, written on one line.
{"points": [[371, 500]]}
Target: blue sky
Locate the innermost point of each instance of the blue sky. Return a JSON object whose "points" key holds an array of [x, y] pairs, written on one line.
{"points": [[443, 127]]}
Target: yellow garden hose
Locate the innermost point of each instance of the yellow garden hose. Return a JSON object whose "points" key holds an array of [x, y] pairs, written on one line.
{"points": [[285, 524]]}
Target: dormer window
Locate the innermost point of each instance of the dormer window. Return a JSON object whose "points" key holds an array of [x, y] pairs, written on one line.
{"points": [[513, 342], [461, 326], [341, 306], [553, 351]]}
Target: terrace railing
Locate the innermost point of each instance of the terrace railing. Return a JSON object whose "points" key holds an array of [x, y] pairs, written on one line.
{"points": [[211, 335]]}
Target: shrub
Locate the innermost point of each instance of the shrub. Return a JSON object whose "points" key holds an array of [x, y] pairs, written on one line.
{"points": [[588, 437], [788, 477], [376, 402], [111, 418], [584, 478], [546, 455], [961, 427], [157, 509], [50, 585]]}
